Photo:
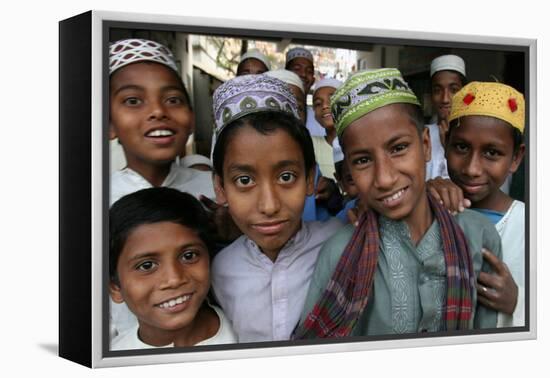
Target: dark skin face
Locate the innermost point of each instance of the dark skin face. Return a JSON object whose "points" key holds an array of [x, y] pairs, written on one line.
{"points": [[251, 66], [387, 158], [444, 85], [480, 156], [304, 68], [164, 276], [150, 116], [265, 193]]}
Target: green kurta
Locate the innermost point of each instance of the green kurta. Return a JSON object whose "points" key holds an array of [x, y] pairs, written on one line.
{"points": [[410, 281]]}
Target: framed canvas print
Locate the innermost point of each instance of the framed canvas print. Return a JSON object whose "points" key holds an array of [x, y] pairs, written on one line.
{"points": [[231, 189]]}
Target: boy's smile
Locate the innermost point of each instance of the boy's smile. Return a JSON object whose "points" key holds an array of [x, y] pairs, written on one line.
{"points": [[480, 155], [150, 114], [387, 160], [265, 186], [321, 107], [164, 278]]}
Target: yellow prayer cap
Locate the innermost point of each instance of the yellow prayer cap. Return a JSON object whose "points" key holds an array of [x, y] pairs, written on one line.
{"points": [[490, 99]]}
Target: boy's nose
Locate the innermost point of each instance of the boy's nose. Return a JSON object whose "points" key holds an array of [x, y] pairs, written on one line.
{"points": [[473, 166], [385, 173], [157, 111], [173, 276], [268, 203], [447, 95]]}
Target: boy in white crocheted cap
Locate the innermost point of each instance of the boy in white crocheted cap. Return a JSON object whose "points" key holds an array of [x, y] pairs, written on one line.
{"points": [[150, 114]]}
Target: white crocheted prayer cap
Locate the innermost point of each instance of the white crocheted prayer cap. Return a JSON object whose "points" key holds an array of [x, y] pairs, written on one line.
{"points": [[256, 54], [448, 63], [288, 77], [299, 52], [328, 82], [127, 51]]}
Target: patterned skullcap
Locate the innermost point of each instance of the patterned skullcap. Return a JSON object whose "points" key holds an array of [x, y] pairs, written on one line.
{"points": [[490, 99], [256, 54], [249, 94], [288, 77], [328, 82], [298, 52], [366, 91], [127, 51], [448, 63]]}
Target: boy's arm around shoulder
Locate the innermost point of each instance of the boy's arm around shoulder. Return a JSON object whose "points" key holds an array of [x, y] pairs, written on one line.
{"points": [[326, 263]]}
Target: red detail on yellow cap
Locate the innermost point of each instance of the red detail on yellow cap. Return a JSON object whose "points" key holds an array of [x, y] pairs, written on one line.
{"points": [[468, 98], [513, 104]]}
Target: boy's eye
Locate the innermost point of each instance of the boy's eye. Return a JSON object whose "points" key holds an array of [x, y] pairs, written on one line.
{"points": [[244, 181], [132, 101], [461, 147], [399, 147], [175, 100], [492, 153], [363, 160], [287, 177], [146, 266], [189, 256]]}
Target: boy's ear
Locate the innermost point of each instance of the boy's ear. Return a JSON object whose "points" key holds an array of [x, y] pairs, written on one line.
{"points": [[517, 158], [218, 190], [426, 144], [310, 182], [114, 291], [112, 132]]}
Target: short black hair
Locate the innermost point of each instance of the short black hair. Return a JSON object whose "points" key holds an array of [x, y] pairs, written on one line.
{"points": [[265, 123], [517, 136], [148, 206], [463, 79]]}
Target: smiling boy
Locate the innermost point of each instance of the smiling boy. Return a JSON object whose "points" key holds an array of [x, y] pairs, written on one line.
{"points": [[160, 267], [408, 266], [151, 115], [484, 146]]}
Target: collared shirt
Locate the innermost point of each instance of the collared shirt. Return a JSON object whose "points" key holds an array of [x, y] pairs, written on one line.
{"points": [[410, 285], [188, 180], [264, 299]]}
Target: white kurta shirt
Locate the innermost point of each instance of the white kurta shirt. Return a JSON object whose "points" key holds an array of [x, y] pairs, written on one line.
{"points": [[263, 299], [511, 229], [188, 180], [130, 339], [437, 166]]}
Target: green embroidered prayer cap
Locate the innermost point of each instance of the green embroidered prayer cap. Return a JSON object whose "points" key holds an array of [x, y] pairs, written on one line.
{"points": [[366, 91]]}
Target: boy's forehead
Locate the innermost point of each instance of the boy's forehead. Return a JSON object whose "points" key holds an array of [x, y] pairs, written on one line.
{"points": [[158, 237], [141, 71]]}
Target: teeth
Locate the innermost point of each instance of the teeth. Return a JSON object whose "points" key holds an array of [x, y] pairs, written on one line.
{"points": [[173, 302], [160, 133], [395, 196]]}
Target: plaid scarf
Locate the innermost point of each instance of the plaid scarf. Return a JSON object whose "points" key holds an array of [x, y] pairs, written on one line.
{"points": [[347, 293]]}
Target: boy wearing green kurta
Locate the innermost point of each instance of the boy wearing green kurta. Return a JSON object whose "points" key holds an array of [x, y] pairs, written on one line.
{"points": [[409, 266]]}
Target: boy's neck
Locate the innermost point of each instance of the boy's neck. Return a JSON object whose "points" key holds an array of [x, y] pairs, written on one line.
{"points": [[154, 174], [498, 201], [420, 221], [330, 136], [205, 325]]}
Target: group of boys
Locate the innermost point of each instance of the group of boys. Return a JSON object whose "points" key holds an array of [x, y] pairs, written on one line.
{"points": [[406, 263]]}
